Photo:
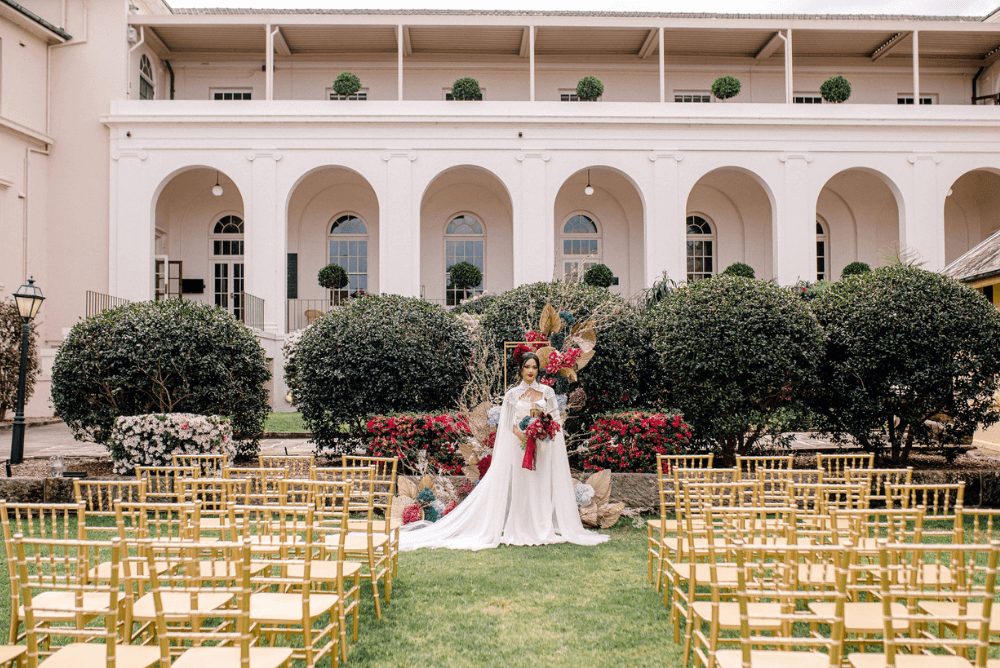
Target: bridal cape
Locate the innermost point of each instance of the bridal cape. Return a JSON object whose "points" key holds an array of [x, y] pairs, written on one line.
{"points": [[511, 504]]}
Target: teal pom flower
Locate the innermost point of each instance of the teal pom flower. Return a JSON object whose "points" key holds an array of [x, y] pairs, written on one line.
{"points": [[524, 422], [426, 497], [567, 317], [430, 514]]}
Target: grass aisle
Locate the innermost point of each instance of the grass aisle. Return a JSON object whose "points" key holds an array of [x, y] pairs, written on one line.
{"points": [[560, 605]]}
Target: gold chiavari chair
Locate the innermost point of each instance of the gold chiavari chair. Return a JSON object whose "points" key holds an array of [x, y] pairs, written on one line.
{"points": [[190, 624], [165, 484], [940, 504], [747, 467], [263, 485], [214, 496], [100, 497], [968, 572], [385, 492], [657, 529], [976, 525], [209, 466], [835, 467], [756, 578], [296, 466], [967, 616], [877, 479], [58, 521], [53, 581]]}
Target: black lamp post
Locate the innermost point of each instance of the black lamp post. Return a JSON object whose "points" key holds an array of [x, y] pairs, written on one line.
{"points": [[29, 299]]}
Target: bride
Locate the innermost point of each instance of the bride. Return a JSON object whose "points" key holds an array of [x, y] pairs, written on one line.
{"points": [[511, 504]]}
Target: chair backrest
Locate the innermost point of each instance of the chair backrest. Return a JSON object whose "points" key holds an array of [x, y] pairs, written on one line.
{"points": [[818, 499], [165, 484], [835, 466], [877, 479], [158, 521], [263, 485], [100, 497], [761, 525], [385, 480], [47, 565], [976, 525], [209, 466], [683, 477], [940, 504], [700, 495], [864, 526], [296, 491], [334, 502], [665, 464], [214, 494], [747, 467], [297, 466]]}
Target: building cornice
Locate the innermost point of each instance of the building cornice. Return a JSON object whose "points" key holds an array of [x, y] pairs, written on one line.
{"points": [[32, 22], [23, 132]]}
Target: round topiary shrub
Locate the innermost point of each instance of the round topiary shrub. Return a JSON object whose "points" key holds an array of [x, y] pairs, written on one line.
{"points": [[589, 88], [836, 90], [732, 353], [333, 277], [10, 357], [174, 356], [724, 88], [465, 275], [739, 269], [466, 89], [346, 84], [855, 269], [378, 355], [599, 276], [906, 349]]}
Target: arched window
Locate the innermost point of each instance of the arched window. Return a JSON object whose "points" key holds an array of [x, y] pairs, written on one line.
{"points": [[700, 248], [822, 252], [581, 246], [146, 89], [464, 241], [226, 243], [348, 240]]}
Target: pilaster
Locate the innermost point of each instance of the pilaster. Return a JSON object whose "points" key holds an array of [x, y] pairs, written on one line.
{"points": [[399, 228], [534, 236], [266, 240], [922, 228], [665, 234], [794, 229], [131, 238]]}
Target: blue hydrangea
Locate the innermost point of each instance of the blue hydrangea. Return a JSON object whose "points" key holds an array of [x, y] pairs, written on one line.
{"points": [[567, 317], [584, 494], [438, 507], [430, 514], [561, 400], [426, 496], [493, 416]]}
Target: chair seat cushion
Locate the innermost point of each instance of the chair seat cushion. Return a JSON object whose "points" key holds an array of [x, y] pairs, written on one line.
{"points": [[229, 657], [81, 655], [177, 605], [729, 614], [733, 658], [284, 608], [948, 609], [859, 617], [908, 661]]}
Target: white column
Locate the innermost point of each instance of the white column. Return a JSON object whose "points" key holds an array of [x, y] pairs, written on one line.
{"points": [[794, 230], [665, 238], [534, 235], [789, 77], [531, 59], [131, 238], [663, 76], [269, 64], [916, 67], [922, 223], [399, 228], [266, 242], [399, 55]]}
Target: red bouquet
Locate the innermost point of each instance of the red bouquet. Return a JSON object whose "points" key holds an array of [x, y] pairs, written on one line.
{"points": [[540, 428]]}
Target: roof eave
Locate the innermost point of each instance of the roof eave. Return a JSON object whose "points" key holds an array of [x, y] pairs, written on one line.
{"points": [[33, 22]]}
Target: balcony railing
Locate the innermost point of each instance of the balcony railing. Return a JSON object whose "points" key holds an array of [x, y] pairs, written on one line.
{"points": [[251, 311], [98, 302]]}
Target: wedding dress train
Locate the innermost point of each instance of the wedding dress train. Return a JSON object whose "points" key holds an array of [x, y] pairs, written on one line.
{"points": [[511, 504]]}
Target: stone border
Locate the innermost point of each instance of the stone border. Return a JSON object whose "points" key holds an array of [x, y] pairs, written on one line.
{"points": [[36, 422]]}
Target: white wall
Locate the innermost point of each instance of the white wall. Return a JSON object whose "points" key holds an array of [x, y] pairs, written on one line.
{"points": [[971, 212], [862, 215]]}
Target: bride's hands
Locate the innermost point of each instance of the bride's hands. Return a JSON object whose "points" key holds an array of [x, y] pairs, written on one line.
{"points": [[521, 436]]}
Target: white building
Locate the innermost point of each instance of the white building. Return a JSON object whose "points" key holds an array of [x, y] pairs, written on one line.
{"points": [[119, 119]]}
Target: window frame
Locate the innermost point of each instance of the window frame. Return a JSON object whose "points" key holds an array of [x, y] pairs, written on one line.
{"points": [[446, 92], [212, 92], [360, 96], [906, 99], [454, 299], [348, 236], [147, 82], [711, 238], [813, 98], [693, 93], [823, 236], [586, 261]]}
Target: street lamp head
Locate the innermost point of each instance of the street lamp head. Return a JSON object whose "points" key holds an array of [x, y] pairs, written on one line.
{"points": [[29, 299]]}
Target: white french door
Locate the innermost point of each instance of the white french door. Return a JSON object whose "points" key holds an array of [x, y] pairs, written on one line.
{"points": [[228, 285]]}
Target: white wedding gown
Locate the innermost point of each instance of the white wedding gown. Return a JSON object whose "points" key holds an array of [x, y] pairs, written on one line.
{"points": [[511, 504]]}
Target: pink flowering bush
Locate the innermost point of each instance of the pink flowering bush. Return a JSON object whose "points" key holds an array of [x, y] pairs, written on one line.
{"points": [[629, 442], [151, 440]]}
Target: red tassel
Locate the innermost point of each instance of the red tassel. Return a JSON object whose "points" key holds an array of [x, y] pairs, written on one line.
{"points": [[529, 455]]}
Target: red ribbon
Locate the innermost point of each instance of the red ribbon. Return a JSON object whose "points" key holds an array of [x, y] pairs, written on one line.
{"points": [[529, 455]]}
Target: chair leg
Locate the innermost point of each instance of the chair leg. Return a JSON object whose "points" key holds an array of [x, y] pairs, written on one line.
{"points": [[373, 577], [357, 605]]}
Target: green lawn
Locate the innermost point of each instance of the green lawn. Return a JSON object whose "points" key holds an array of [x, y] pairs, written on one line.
{"points": [[287, 422]]}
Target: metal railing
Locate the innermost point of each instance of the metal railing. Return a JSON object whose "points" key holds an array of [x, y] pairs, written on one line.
{"points": [[98, 302], [300, 313], [251, 311], [986, 99]]}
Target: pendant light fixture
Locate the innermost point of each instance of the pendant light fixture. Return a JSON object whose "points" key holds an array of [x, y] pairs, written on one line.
{"points": [[217, 189], [589, 190]]}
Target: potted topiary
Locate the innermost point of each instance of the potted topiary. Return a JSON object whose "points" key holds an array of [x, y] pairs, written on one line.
{"points": [[724, 88], [333, 277], [599, 276], [466, 89], [589, 88], [740, 269], [465, 275], [836, 89], [855, 269], [346, 84]]}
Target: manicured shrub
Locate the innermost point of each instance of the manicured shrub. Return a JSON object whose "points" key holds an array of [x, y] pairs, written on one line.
{"points": [[151, 440], [855, 268], [346, 84], [906, 346], [810, 291], [739, 269], [599, 276], [836, 89], [466, 89], [465, 275], [423, 443], [174, 356], [732, 352], [474, 305], [628, 442], [589, 88], [333, 277], [381, 354], [724, 88], [10, 357]]}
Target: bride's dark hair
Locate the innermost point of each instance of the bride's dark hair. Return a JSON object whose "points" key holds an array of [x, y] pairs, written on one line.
{"points": [[528, 356]]}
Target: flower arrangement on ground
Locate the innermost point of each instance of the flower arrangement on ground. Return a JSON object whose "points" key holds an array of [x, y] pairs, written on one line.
{"points": [[629, 442], [593, 498]]}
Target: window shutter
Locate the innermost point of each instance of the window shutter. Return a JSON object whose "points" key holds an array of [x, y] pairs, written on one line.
{"points": [[293, 276]]}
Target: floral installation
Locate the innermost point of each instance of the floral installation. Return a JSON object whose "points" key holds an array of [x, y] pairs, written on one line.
{"points": [[593, 498], [412, 513], [484, 465], [152, 439], [450, 507], [629, 442], [423, 443], [431, 498]]}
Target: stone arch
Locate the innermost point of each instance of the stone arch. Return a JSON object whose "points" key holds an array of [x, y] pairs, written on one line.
{"points": [[971, 211]]}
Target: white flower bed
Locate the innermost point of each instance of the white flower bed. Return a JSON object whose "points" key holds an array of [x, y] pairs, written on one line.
{"points": [[151, 440]]}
